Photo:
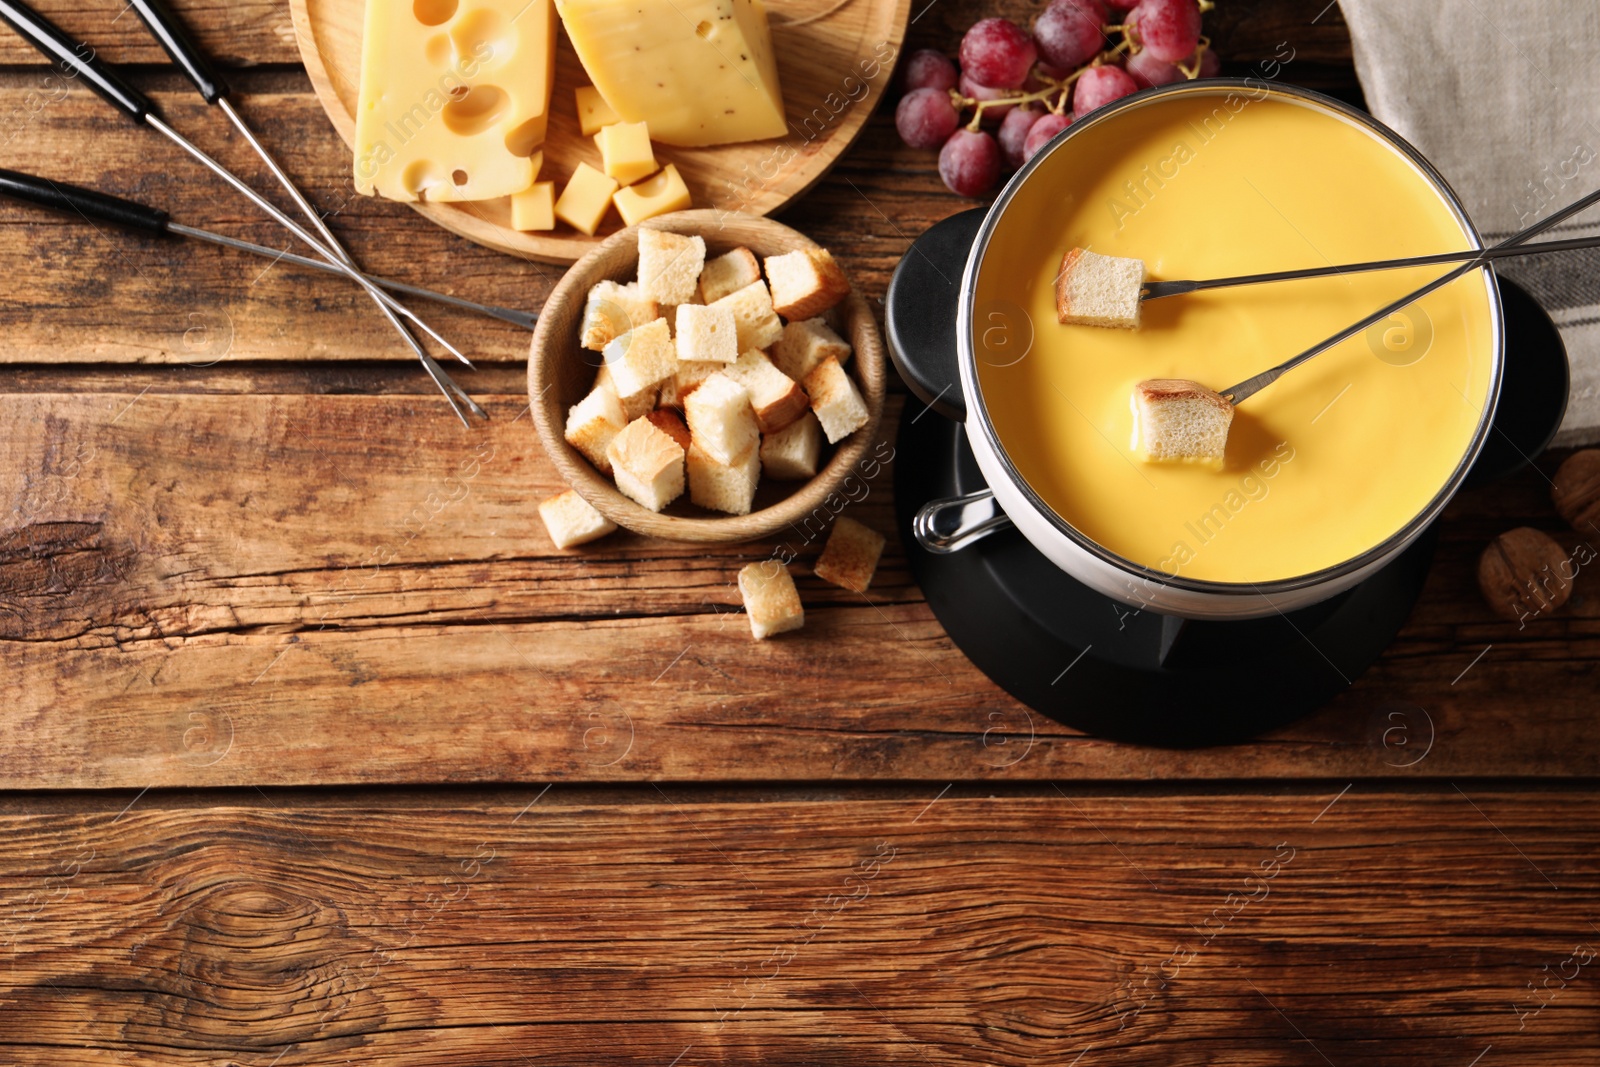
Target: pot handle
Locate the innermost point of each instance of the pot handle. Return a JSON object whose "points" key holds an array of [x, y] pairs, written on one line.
{"points": [[920, 312], [949, 525]]}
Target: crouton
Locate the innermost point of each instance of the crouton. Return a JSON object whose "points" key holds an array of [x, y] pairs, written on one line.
{"points": [[647, 464], [776, 398], [723, 486], [676, 389], [1175, 420], [611, 310], [720, 419], [670, 423], [706, 334], [635, 405], [770, 599], [572, 520], [669, 265], [836, 400], [805, 282], [851, 555], [592, 423], [791, 454], [806, 343], [1096, 290], [728, 273], [641, 358], [757, 325]]}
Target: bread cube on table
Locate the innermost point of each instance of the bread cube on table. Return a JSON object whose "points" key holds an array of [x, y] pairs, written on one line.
{"points": [[805, 282], [728, 273], [705, 334], [806, 343], [1096, 290], [641, 358], [770, 599], [792, 454], [836, 400], [647, 464], [721, 419], [757, 325], [611, 310], [572, 520], [726, 487], [669, 265], [676, 389], [635, 405], [1176, 420], [592, 423], [850, 558], [776, 398]]}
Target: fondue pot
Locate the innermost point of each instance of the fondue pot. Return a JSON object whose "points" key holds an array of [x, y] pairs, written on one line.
{"points": [[936, 332]]}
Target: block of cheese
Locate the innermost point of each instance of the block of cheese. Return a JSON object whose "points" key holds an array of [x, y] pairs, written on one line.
{"points": [[454, 99], [700, 72], [535, 208], [625, 152], [658, 194], [584, 201], [593, 111]]}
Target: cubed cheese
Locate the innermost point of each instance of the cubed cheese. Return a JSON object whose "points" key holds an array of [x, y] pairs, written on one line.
{"points": [[584, 201], [593, 111], [658, 194], [625, 152], [535, 208]]}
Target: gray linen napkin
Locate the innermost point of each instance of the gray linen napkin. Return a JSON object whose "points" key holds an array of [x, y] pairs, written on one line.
{"points": [[1503, 96]]}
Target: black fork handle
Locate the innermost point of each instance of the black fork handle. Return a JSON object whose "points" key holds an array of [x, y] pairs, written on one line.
{"points": [[167, 28], [76, 58], [75, 199]]}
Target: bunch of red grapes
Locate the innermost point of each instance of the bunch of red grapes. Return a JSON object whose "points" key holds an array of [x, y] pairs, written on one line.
{"points": [[1027, 87]]}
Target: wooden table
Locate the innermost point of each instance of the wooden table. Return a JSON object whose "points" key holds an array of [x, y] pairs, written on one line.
{"points": [[315, 751]]}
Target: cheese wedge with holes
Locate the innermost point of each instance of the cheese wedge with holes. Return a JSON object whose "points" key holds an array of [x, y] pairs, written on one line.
{"points": [[454, 99], [700, 72]]}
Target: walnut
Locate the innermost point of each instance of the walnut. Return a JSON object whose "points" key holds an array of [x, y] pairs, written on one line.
{"points": [[1524, 573], [1577, 491]]}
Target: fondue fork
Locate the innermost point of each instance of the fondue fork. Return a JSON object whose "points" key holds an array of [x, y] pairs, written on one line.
{"points": [[1160, 290], [91, 204], [1236, 394]]}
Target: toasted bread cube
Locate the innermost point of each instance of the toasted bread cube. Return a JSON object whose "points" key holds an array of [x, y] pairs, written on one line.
{"points": [[670, 423], [669, 265], [850, 557], [676, 389], [635, 405], [791, 454], [592, 424], [641, 358], [611, 310], [572, 520], [728, 273], [593, 111], [770, 599], [723, 486], [658, 194], [776, 398], [836, 400], [534, 208], [706, 334], [647, 464], [758, 325], [1175, 420], [805, 282], [583, 202], [721, 419], [806, 343], [1096, 290], [625, 152]]}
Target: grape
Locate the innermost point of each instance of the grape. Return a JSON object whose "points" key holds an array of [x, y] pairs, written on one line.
{"points": [[997, 53], [1170, 29], [1098, 86], [928, 69], [1014, 133], [1041, 132], [925, 118], [969, 163], [1068, 32], [991, 115], [1121, 7], [1147, 71], [1210, 64]]}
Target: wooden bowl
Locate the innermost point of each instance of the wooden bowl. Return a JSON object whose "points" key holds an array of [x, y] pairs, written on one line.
{"points": [[561, 373]]}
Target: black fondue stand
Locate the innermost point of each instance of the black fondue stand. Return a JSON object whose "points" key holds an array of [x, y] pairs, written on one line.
{"points": [[1096, 664]]}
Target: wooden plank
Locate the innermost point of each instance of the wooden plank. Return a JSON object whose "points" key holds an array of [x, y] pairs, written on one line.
{"points": [[232, 32], [279, 588], [1375, 928]]}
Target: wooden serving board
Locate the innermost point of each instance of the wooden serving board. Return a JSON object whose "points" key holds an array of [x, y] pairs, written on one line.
{"points": [[835, 58]]}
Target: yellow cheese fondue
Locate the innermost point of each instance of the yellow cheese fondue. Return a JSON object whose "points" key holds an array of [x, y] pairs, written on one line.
{"points": [[1328, 462]]}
